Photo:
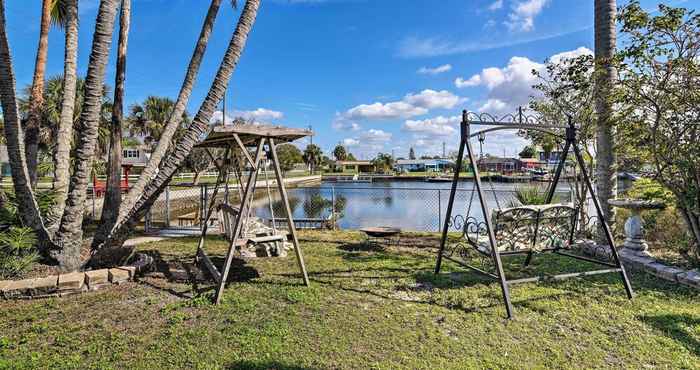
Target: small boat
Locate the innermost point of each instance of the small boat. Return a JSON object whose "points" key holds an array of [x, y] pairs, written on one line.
{"points": [[438, 179], [541, 175]]}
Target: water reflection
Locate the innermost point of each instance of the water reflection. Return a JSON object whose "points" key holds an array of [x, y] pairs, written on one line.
{"points": [[411, 205]]}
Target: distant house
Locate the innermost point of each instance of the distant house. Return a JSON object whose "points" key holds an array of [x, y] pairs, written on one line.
{"points": [[499, 164], [532, 163], [419, 165], [136, 156], [552, 159], [354, 166], [5, 170]]}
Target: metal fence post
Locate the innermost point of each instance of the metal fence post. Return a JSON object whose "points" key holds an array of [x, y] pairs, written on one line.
{"points": [[333, 207], [439, 211], [203, 209], [167, 206]]}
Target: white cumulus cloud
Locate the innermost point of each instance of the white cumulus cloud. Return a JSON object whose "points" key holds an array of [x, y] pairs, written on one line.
{"points": [[511, 86], [260, 114], [412, 105], [523, 14], [437, 126], [472, 81]]}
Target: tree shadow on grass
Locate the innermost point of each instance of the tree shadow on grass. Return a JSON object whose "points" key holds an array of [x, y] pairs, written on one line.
{"points": [[678, 327], [239, 272], [264, 365]]}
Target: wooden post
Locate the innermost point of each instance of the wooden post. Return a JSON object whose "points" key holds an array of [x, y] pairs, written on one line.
{"points": [[238, 226], [288, 211]]}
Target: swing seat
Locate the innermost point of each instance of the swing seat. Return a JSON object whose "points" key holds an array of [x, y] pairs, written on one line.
{"points": [[534, 228], [227, 215]]}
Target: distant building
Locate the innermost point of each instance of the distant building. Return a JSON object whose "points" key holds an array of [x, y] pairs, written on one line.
{"points": [[532, 163], [354, 166], [552, 159], [499, 164], [420, 165], [136, 156]]}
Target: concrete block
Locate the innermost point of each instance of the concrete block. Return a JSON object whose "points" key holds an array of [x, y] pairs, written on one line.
{"points": [[71, 281], [636, 261], [118, 276], [43, 286], [690, 278], [97, 278], [663, 271], [130, 269]]}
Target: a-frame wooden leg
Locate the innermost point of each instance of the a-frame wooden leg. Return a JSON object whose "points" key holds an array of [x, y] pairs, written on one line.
{"points": [[238, 226], [491, 233], [450, 204], [288, 211], [603, 221]]}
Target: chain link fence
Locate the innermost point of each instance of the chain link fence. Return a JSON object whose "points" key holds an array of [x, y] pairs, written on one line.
{"points": [[341, 206]]}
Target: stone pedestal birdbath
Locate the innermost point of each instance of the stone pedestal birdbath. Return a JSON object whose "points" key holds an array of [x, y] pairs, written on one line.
{"points": [[634, 226]]}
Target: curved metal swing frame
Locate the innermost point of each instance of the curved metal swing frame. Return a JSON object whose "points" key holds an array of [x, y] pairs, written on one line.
{"points": [[521, 122]]}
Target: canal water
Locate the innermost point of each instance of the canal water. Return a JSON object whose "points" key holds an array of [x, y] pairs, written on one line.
{"points": [[410, 205]]}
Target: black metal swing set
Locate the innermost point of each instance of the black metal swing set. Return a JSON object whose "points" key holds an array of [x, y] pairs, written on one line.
{"points": [[525, 230]]}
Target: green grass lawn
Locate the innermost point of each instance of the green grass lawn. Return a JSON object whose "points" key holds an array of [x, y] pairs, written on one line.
{"points": [[366, 308]]}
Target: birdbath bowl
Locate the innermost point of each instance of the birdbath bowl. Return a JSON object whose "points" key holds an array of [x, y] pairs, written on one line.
{"points": [[634, 226]]}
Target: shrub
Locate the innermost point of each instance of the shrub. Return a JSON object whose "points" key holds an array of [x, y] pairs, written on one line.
{"points": [[529, 195], [17, 251]]}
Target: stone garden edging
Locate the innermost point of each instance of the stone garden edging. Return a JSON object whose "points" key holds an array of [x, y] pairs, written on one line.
{"points": [[66, 284], [643, 261]]}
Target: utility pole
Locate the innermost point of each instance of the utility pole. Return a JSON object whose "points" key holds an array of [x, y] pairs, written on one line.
{"points": [[443, 150]]}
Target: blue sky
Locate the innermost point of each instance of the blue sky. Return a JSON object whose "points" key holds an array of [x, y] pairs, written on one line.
{"points": [[377, 75]]}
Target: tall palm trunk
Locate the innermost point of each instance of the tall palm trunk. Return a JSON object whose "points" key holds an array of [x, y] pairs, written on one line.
{"points": [[69, 236], [176, 115], [28, 208], [65, 125], [112, 251], [605, 45], [113, 195], [36, 99]]}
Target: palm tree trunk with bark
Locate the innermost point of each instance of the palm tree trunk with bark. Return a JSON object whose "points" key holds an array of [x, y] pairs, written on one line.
{"points": [[605, 45], [176, 115], [36, 98], [112, 251], [69, 236], [14, 137], [113, 195], [65, 126]]}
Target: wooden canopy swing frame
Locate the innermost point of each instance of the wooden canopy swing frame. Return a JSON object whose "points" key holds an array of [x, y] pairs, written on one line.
{"points": [[243, 138], [520, 122]]}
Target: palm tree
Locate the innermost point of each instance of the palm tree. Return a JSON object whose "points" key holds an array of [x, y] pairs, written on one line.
{"points": [[605, 45], [148, 119], [173, 122], [69, 236], [69, 13], [112, 251], [113, 195], [37, 94], [14, 137], [312, 156], [340, 153]]}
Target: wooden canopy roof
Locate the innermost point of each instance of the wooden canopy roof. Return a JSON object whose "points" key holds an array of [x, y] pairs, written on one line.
{"points": [[249, 134]]}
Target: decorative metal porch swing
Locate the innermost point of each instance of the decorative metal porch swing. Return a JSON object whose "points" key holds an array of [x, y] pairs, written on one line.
{"points": [[525, 229]]}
